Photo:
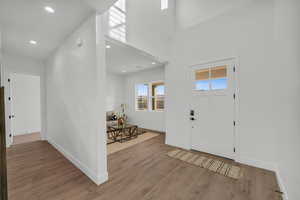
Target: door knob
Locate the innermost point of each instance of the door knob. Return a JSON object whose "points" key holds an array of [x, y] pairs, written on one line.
{"points": [[192, 119]]}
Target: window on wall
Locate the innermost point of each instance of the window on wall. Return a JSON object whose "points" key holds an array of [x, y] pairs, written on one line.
{"points": [[158, 96], [213, 78], [142, 96], [117, 21], [164, 4], [150, 96]]}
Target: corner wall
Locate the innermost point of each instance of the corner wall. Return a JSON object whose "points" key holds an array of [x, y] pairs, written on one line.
{"points": [[115, 91], [287, 37], [76, 99], [28, 66]]}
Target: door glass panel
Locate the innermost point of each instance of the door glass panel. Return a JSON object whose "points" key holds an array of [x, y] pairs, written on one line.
{"points": [[219, 77], [202, 80]]}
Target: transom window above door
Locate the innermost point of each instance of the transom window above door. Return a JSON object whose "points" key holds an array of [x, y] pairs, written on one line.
{"points": [[211, 79]]}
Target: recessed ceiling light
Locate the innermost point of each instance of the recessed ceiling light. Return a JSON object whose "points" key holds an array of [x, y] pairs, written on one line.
{"points": [[153, 63], [49, 9], [33, 42], [108, 46], [124, 71]]}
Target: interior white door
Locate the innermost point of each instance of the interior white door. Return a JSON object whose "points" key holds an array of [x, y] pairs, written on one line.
{"points": [[213, 108], [25, 104]]}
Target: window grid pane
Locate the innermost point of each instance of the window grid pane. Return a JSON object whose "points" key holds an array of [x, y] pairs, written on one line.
{"points": [[142, 92], [142, 103], [117, 21], [214, 78], [158, 102], [219, 77], [121, 5], [158, 96]]}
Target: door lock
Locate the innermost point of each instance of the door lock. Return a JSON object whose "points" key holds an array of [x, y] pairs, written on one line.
{"points": [[192, 118]]}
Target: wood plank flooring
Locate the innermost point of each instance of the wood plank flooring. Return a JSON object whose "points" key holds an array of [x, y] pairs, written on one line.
{"points": [[36, 171], [31, 137]]}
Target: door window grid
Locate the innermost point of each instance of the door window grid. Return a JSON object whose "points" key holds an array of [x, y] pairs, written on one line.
{"points": [[211, 79]]}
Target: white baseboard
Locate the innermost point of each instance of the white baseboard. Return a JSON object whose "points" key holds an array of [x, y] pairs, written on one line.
{"points": [[96, 179], [257, 163], [268, 166], [281, 184], [177, 145]]}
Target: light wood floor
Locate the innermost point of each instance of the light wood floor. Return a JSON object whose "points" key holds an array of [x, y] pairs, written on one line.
{"points": [[118, 146], [36, 171], [19, 139]]}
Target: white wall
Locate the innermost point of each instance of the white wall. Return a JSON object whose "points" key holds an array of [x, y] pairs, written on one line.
{"points": [[115, 92], [149, 28], [192, 12], [26, 104], [268, 122], [23, 65], [287, 36], [146, 119], [76, 100]]}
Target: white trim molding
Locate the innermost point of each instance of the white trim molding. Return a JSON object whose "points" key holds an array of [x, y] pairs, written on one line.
{"points": [[281, 184], [94, 177], [257, 163]]}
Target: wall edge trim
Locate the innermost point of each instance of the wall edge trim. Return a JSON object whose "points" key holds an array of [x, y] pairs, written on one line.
{"points": [[86, 170]]}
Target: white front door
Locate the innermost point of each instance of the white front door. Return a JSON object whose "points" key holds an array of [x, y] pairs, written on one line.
{"points": [[213, 108], [25, 104]]}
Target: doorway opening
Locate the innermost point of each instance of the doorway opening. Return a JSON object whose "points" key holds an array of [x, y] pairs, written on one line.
{"points": [[25, 108], [135, 95]]}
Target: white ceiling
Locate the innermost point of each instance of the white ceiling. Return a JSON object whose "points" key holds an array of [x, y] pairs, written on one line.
{"points": [[25, 20], [124, 59]]}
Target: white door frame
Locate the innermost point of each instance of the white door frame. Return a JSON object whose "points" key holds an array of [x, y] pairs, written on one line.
{"points": [[235, 61], [9, 98], [10, 107]]}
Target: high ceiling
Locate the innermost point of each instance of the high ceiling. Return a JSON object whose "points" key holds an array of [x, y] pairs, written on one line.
{"points": [[25, 20], [123, 59]]}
